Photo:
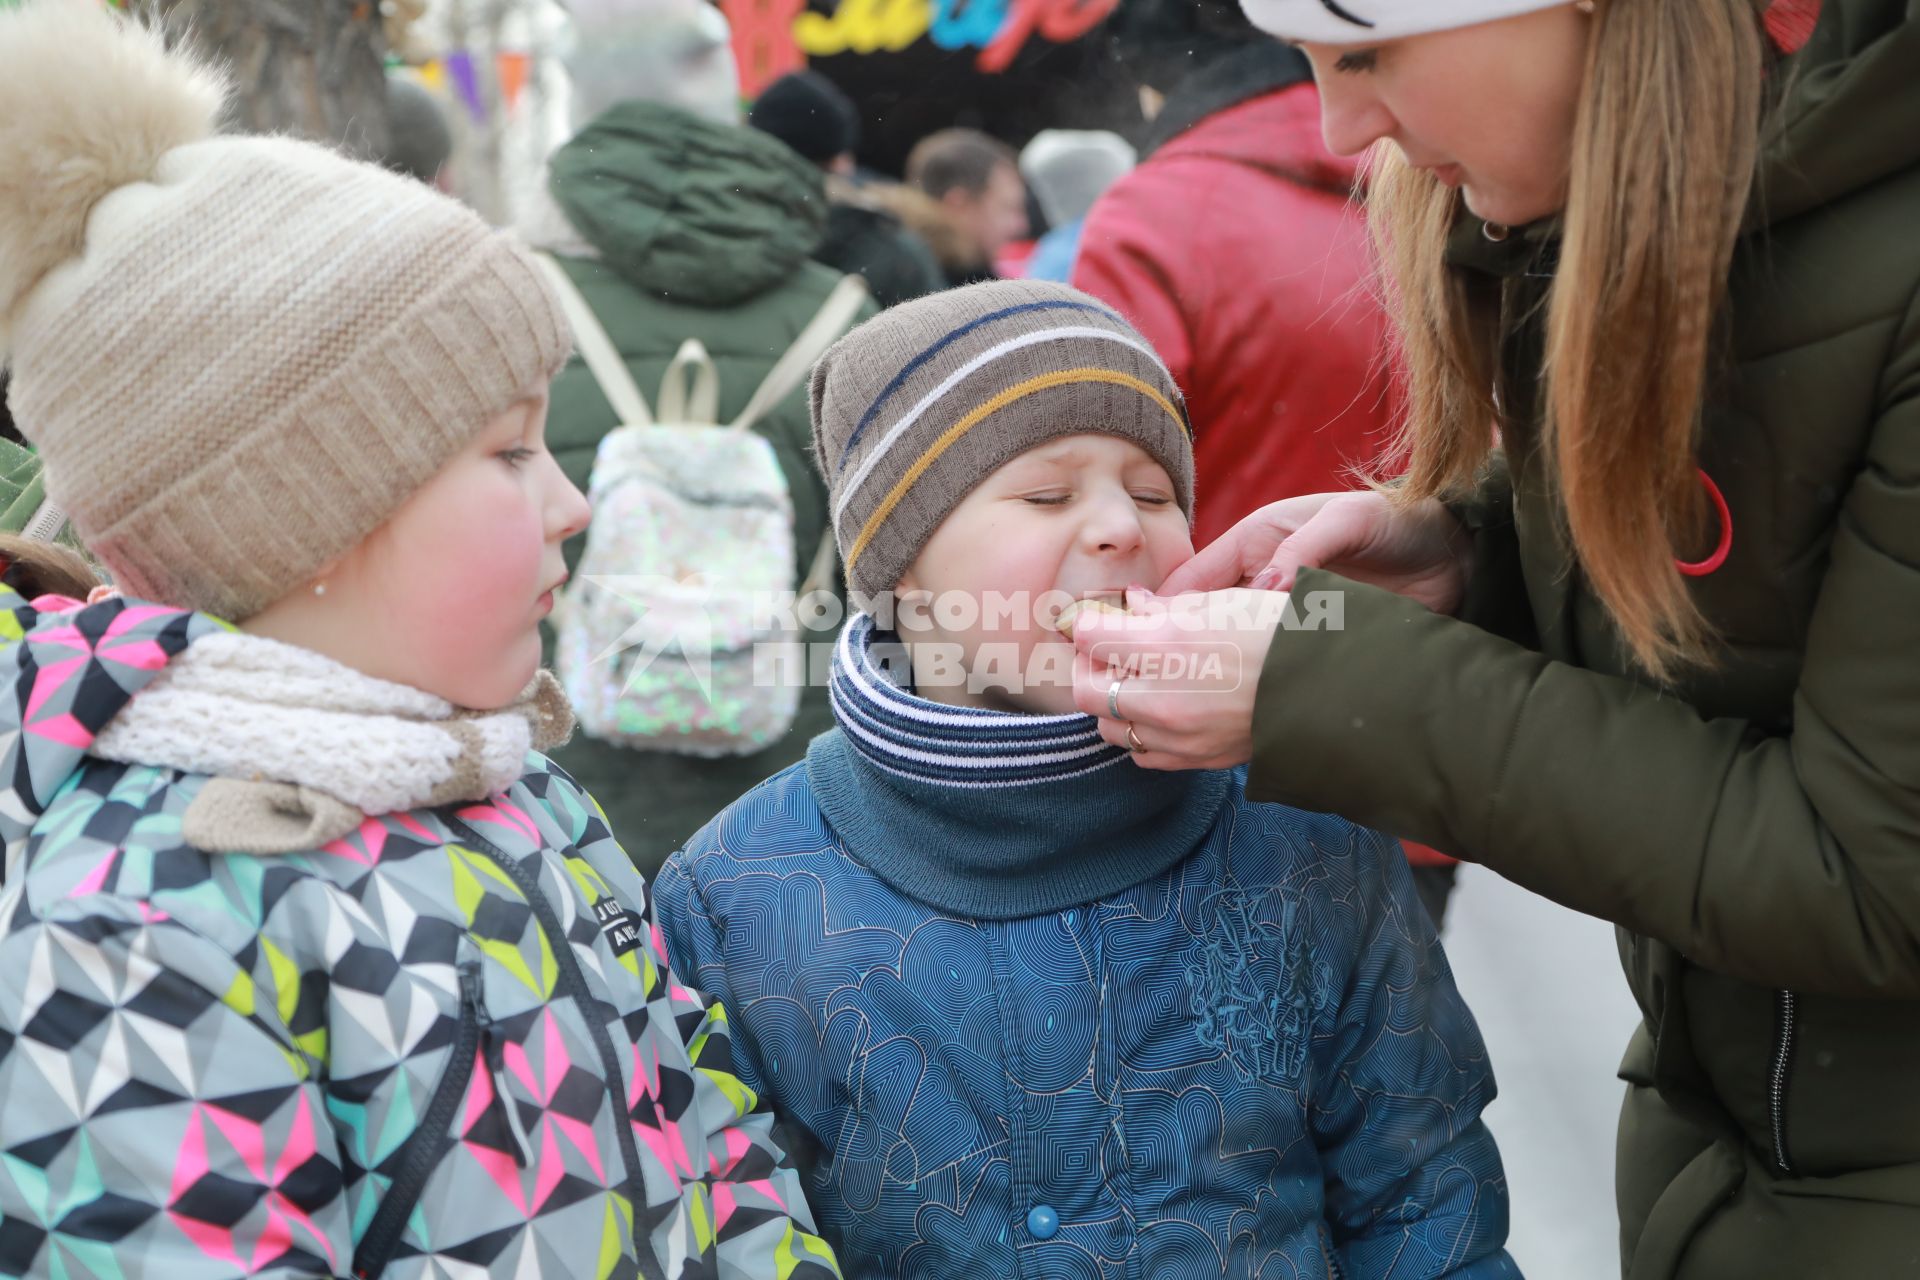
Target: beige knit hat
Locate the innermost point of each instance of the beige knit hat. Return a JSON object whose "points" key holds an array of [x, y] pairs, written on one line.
{"points": [[236, 355]]}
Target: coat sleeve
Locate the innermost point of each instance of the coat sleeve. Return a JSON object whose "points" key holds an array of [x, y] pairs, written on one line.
{"points": [[1784, 859], [749, 1191], [1130, 261], [697, 942], [1415, 1187], [156, 1129], [1496, 596], [697, 947]]}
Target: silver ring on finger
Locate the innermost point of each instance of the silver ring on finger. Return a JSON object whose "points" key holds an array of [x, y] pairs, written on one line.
{"points": [[1113, 700]]}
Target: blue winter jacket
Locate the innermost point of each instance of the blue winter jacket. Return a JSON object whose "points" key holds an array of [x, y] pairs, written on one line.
{"points": [[1030, 1011]]}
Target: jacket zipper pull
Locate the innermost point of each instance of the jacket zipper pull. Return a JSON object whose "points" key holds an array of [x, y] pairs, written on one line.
{"points": [[473, 995]]}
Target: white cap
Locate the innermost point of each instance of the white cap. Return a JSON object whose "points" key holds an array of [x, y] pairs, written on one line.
{"points": [[1372, 21], [1069, 169], [677, 52]]}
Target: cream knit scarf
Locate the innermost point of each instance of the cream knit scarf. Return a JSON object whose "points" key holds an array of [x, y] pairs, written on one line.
{"points": [[300, 749]]}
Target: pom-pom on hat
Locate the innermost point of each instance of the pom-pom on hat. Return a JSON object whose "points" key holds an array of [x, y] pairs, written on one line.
{"points": [[238, 356]]}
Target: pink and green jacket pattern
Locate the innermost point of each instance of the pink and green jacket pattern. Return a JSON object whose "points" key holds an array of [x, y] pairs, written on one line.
{"points": [[445, 1045]]}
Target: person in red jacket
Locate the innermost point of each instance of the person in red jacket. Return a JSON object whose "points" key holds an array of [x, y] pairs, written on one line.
{"points": [[1236, 249]]}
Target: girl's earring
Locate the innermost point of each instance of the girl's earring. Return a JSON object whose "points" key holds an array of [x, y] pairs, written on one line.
{"points": [[319, 588]]}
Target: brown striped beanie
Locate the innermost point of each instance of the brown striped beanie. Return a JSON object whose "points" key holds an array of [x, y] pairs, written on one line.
{"points": [[912, 410]]}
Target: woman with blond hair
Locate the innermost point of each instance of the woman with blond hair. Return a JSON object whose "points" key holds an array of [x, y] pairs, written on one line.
{"points": [[1640, 628]]}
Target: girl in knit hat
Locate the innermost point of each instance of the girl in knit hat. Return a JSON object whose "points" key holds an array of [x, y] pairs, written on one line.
{"points": [[315, 965], [1041, 1012]]}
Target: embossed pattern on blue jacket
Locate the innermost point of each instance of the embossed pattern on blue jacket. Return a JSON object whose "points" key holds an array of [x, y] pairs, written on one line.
{"points": [[1252, 1064]]}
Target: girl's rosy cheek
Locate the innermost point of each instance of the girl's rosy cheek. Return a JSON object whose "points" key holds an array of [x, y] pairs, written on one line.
{"points": [[497, 570], [478, 579]]}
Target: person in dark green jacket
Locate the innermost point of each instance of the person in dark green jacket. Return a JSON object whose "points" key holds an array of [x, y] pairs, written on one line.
{"points": [[1655, 652], [674, 227]]}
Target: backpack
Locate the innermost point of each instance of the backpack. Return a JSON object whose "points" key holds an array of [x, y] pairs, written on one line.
{"points": [[672, 636]]}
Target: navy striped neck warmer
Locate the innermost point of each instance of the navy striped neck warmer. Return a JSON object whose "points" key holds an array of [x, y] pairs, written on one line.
{"points": [[992, 815]]}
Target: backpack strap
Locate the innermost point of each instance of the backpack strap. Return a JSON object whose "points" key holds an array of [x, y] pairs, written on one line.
{"points": [[597, 349], [690, 388], [820, 572], [792, 368]]}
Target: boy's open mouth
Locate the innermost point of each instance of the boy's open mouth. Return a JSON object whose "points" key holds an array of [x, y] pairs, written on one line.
{"points": [[1106, 600]]}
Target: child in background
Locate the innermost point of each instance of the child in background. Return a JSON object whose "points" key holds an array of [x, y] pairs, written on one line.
{"points": [[314, 965], [1032, 1010]]}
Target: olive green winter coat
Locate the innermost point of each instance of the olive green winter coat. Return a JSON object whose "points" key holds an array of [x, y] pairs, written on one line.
{"points": [[1755, 831], [697, 230]]}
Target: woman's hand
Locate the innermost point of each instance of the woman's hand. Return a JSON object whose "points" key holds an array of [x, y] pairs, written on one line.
{"points": [[1188, 670], [1418, 551], [1188, 660]]}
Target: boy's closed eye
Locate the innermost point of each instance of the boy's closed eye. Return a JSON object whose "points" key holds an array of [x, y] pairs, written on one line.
{"points": [[1056, 476], [1146, 497]]}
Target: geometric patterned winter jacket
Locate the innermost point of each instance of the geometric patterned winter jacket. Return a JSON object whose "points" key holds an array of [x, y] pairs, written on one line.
{"points": [[447, 1044]]}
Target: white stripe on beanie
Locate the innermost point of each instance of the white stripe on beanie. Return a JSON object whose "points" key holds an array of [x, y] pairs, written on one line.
{"points": [[1371, 21], [973, 366]]}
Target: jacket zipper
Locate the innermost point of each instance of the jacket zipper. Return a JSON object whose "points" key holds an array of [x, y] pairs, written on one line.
{"points": [[574, 982], [503, 1097], [1782, 1065], [1329, 1254], [430, 1139]]}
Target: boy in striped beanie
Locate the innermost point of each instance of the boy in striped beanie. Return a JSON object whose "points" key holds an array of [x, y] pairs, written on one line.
{"points": [[915, 409], [966, 440], [1037, 1010]]}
